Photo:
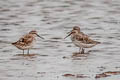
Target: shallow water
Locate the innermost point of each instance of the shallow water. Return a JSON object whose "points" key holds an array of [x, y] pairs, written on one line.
{"points": [[53, 56]]}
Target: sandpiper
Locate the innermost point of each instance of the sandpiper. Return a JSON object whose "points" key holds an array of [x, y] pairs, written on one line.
{"points": [[81, 40], [26, 42]]}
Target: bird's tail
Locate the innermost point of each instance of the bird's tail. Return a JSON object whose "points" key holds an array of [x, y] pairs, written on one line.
{"points": [[13, 43], [97, 42]]}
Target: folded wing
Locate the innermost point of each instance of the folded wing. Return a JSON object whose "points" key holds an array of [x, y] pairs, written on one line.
{"points": [[85, 39]]}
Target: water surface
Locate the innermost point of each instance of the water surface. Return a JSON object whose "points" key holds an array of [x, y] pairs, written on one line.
{"points": [[52, 19]]}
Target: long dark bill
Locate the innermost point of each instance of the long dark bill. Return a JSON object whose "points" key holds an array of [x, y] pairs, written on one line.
{"points": [[39, 36], [68, 35]]}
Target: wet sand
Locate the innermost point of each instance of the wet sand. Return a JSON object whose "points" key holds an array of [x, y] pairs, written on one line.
{"points": [[53, 58]]}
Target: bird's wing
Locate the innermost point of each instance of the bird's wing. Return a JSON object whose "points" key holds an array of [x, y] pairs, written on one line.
{"points": [[26, 39], [85, 39]]}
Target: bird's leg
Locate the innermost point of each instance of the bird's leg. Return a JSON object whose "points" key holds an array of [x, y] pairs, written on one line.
{"points": [[79, 50], [23, 51], [82, 51], [28, 52]]}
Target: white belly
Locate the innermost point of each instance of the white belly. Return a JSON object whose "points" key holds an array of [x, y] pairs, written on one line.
{"points": [[25, 46], [83, 45], [80, 44]]}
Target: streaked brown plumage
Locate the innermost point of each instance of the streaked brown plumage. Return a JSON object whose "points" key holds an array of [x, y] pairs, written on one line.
{"points": [[27, 41], [81, 40]]}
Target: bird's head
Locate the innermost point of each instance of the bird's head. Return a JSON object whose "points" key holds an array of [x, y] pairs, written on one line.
{"points": [[73, 32], [34, 32], [76, 28]]}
